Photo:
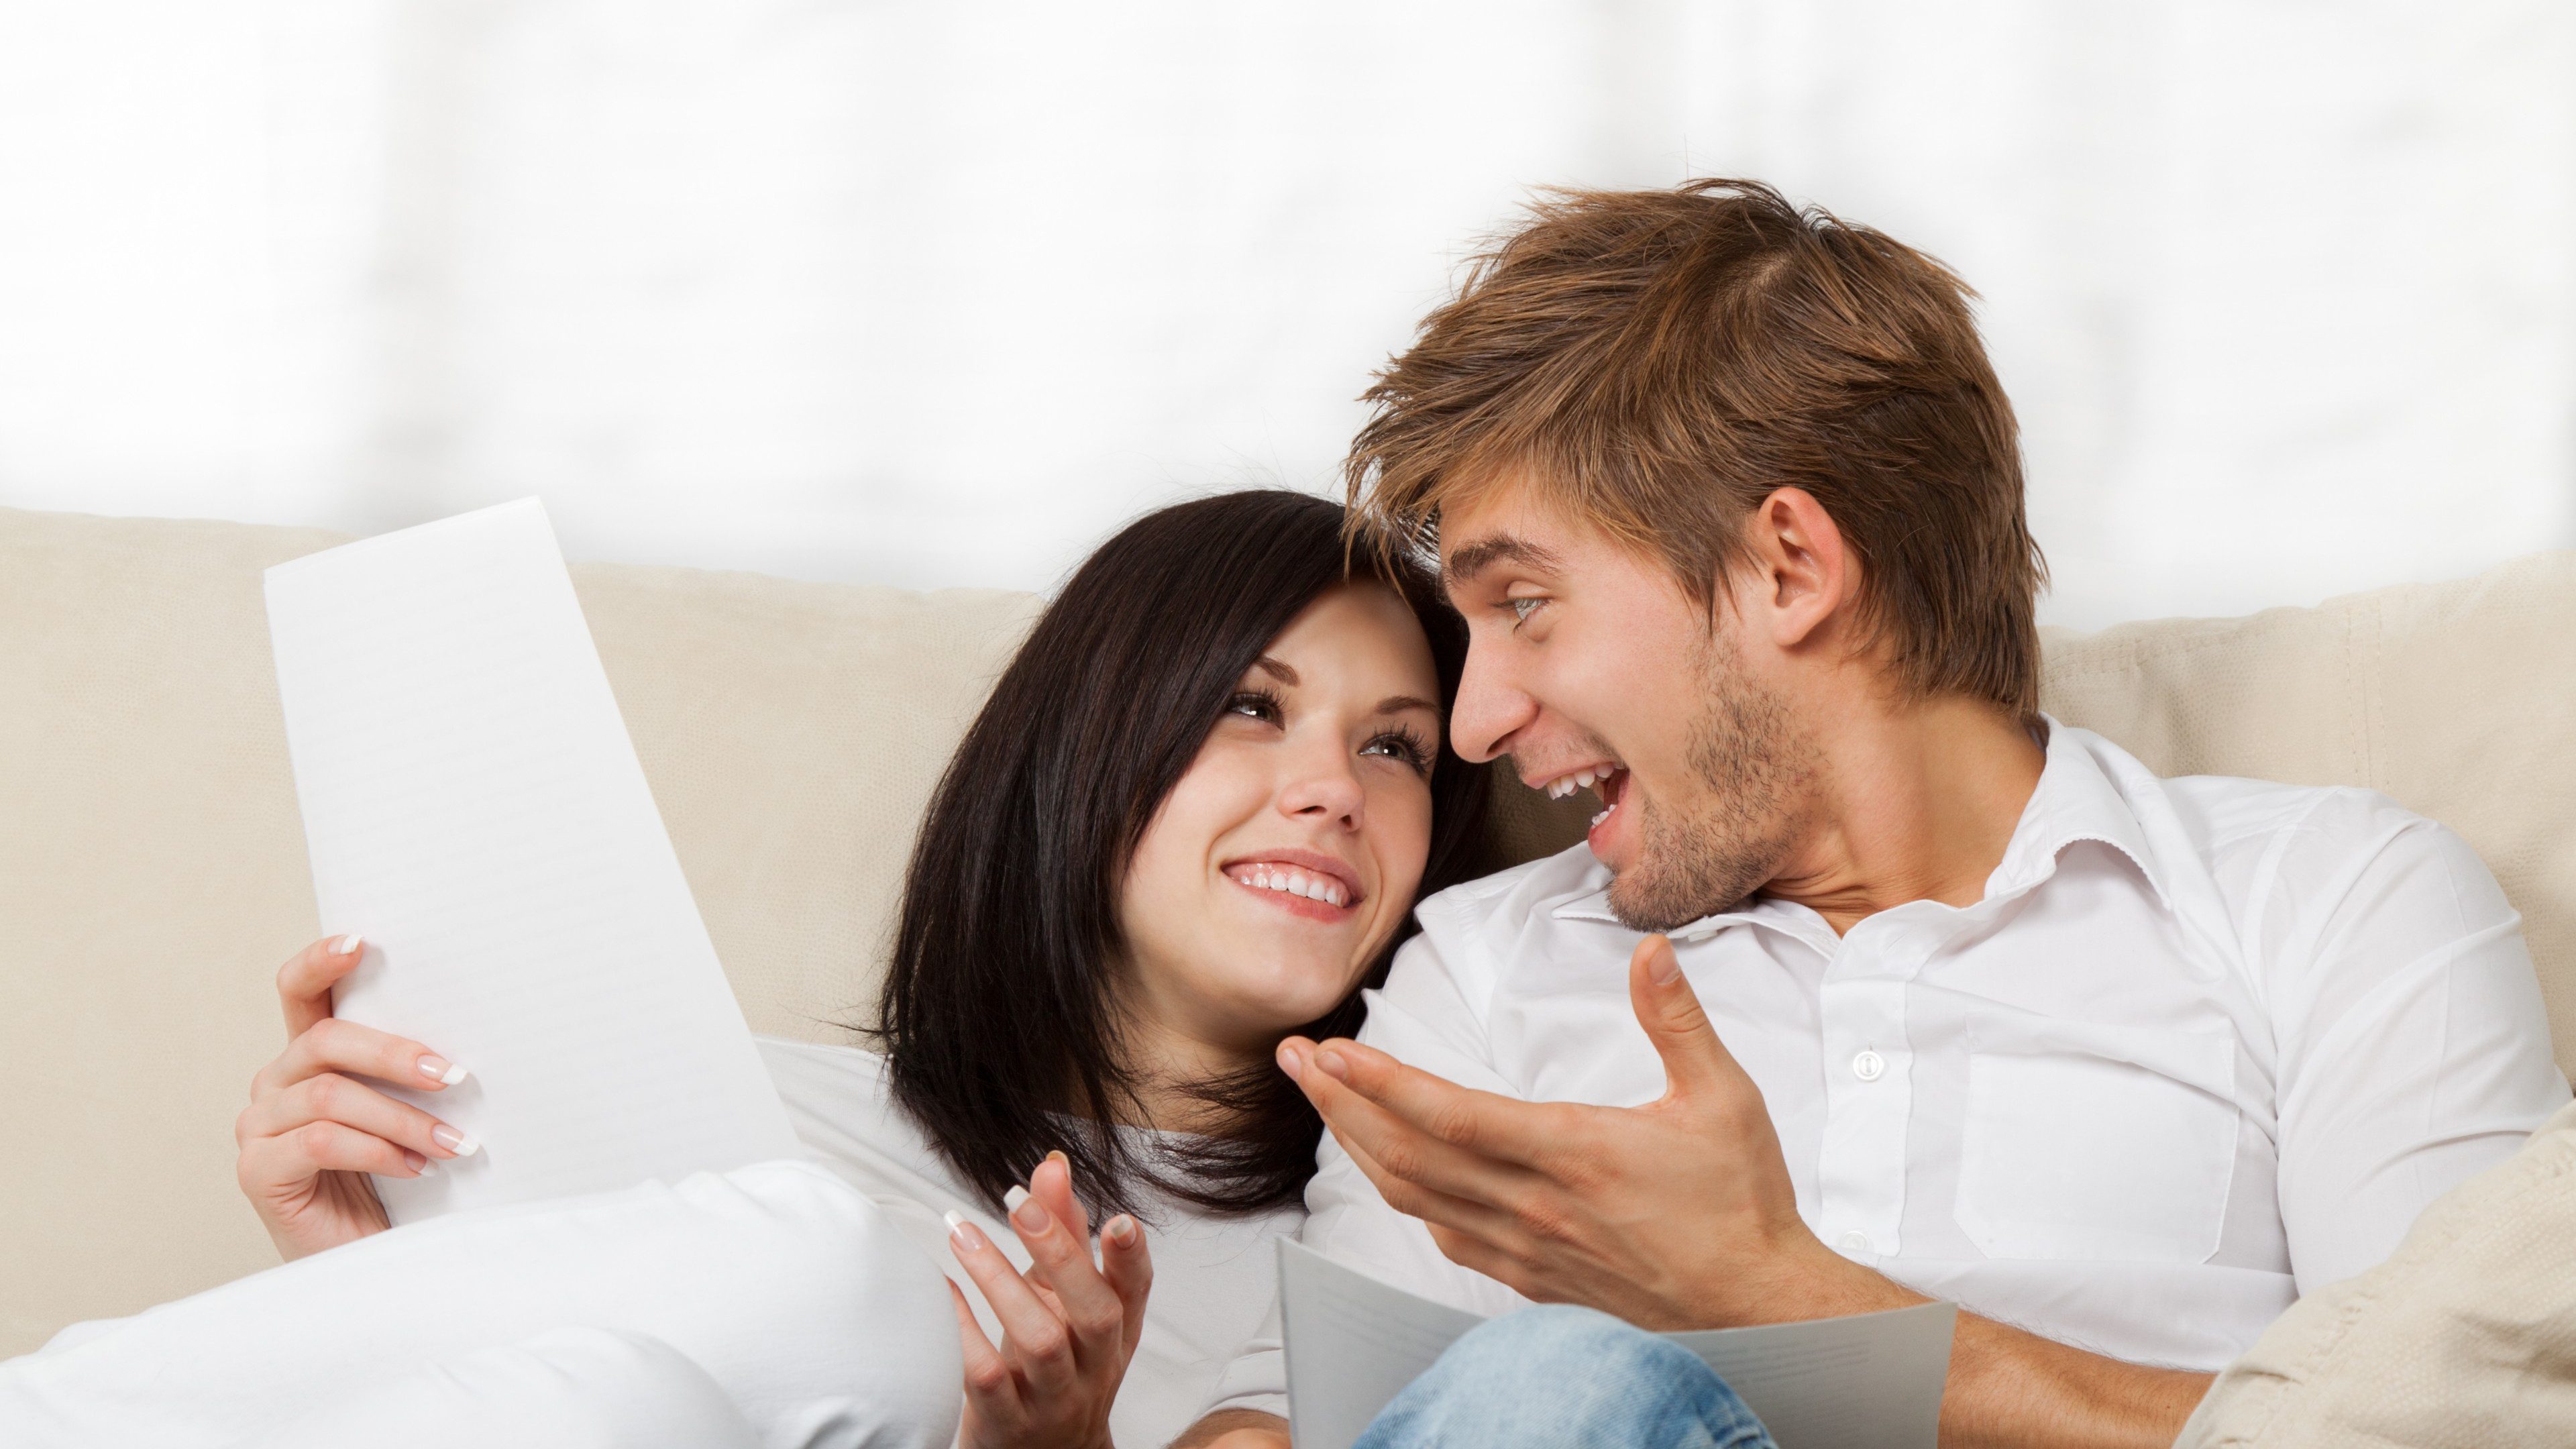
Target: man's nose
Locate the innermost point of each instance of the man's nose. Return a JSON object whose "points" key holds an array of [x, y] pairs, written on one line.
{"points": [[1489, 709]]}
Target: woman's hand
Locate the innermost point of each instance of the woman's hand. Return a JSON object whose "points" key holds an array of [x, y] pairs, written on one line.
{"points": [[1068, 1327], [312, 1132]]}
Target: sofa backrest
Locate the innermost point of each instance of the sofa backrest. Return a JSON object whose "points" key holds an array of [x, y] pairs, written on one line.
{"points": [[152, 868]]}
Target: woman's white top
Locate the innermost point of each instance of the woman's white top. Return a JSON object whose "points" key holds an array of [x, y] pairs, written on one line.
{"points": [[1214, 1277]]}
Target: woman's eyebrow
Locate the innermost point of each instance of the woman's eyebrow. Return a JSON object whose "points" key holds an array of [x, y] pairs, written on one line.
{"points": [[1276, 670], [1399, 703]]}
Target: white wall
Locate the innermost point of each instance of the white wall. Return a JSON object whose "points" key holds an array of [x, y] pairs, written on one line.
{"points": [[938, 293]]}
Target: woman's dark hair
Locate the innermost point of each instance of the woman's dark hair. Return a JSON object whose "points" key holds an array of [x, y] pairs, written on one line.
{"points": [[1000, 1018]]}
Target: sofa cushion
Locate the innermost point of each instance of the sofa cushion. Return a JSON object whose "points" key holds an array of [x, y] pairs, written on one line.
{"points": [[152, 870]]}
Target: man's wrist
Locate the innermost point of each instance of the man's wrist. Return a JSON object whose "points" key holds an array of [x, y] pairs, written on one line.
{"points": [[1806, 1280]]}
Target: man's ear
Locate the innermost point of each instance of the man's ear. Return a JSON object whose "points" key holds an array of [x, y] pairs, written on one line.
{"points": [[1800, 575]]}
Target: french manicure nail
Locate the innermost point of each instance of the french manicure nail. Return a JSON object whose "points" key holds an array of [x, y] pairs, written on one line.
{"points": [[440, 1070], [1031, 1217], [453, 1140], [348, 945], [415, 1161], [961, 1232]]}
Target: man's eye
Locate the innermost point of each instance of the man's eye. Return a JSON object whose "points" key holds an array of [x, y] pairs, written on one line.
{"points": [[1523, 608]]}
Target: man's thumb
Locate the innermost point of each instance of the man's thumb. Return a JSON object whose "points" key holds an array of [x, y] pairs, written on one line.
{"points": [[1694, 1059]]}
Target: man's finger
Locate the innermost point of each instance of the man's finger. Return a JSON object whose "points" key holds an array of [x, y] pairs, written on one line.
{"points": [[1484, 1221], [1402, 1150], [1485, 1124], [1696, 1062]]}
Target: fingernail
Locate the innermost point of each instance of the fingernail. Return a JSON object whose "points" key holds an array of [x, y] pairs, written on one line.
{"points": [[1122, 1228], [1333, 1065], [1030, 1216], [348, 945], [1058, 1156], [962, 1232], [1664, 965], [440, 1070], [1288, 1062], [415, 1161], [453, 1140]]}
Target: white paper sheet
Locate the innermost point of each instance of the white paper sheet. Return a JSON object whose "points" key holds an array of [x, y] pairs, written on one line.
{"points": [[1872, 1381], [474, 808]]}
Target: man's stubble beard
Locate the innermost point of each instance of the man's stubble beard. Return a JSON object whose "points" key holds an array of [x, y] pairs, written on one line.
{"points": [[1757, 770]]}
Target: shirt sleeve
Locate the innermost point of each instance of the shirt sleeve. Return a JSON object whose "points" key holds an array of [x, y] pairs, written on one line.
{"points": [[2414, 1048], [1422, 1019]]}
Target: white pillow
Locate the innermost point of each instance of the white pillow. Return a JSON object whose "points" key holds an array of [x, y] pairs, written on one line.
{"points": [[813, 1316]]}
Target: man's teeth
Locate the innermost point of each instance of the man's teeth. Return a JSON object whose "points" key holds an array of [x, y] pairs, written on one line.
{"points": [[1295, 882], [1564, 785]]}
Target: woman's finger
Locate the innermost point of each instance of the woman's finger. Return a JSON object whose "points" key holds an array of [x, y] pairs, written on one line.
{"points": [[299, 1154], [1034, 1339], [1129, 1269], [332, 1097], [990, 1389], [304, 983], [1092, 1309], [1053, 1185], [334, 1045]]}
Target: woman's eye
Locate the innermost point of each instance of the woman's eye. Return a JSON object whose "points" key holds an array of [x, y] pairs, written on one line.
{"points": [[1253, 704], [1402, 747]]}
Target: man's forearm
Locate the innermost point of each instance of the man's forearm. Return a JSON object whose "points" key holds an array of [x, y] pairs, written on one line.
{"points": [[1236, 1429], [2010, 1389]]}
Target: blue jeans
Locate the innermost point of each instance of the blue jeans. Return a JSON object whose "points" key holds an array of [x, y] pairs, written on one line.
{"points": [[1566, 1378]]}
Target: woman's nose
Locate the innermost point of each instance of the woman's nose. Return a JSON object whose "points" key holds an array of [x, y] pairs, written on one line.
{"points": [[1326, 790]]}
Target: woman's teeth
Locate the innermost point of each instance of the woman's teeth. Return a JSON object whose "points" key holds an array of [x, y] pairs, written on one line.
{"points": [[1293, 881]]}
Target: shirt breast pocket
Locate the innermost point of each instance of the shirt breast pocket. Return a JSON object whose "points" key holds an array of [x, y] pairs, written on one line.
{"points": [[2099, 1143]]}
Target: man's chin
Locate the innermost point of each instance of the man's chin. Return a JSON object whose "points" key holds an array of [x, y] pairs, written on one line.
{"points": [[1644, 904]]}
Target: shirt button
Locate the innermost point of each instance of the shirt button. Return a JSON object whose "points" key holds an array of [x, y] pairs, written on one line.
{"points": [[1869, 1066], [1853, 1243]]}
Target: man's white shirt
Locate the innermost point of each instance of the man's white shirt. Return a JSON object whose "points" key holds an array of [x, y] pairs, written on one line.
{"points": [[2204, 1045]]}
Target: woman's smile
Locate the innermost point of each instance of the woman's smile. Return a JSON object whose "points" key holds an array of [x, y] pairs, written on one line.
{"points": [[1300, 882]]}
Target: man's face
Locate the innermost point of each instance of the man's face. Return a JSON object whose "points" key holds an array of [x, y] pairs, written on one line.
{"points": [[1589, 663]]}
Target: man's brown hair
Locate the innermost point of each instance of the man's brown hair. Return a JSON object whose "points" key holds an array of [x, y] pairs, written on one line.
{"points": [[1657, 362]]}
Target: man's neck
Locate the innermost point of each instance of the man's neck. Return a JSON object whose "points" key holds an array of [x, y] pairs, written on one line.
{"points": [[1914, 802]]}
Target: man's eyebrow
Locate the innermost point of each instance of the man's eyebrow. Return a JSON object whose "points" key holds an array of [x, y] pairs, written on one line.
{"points": [[1276, 670], [1462, 566]]}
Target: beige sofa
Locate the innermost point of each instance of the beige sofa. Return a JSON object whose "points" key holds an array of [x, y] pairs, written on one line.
{"points": [[152, 870]]}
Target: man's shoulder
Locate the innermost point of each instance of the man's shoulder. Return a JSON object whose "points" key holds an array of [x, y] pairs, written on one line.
{"points": [[1508, 900], [2225, 813]]}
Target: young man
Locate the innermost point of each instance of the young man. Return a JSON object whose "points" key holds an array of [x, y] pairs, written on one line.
{"points": [[1871, 983]]}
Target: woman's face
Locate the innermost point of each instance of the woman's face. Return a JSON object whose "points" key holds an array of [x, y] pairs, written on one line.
{"points": [[1288, 853]]}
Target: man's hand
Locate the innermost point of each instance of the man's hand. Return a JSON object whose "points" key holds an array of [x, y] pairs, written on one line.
{"points": [[1677, 1214]]}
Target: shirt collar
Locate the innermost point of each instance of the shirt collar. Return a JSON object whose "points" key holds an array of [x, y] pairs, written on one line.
{"points": [[2075, 800]]}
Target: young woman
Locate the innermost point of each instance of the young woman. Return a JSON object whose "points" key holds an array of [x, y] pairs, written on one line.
{"points": [[1191, 819]]}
